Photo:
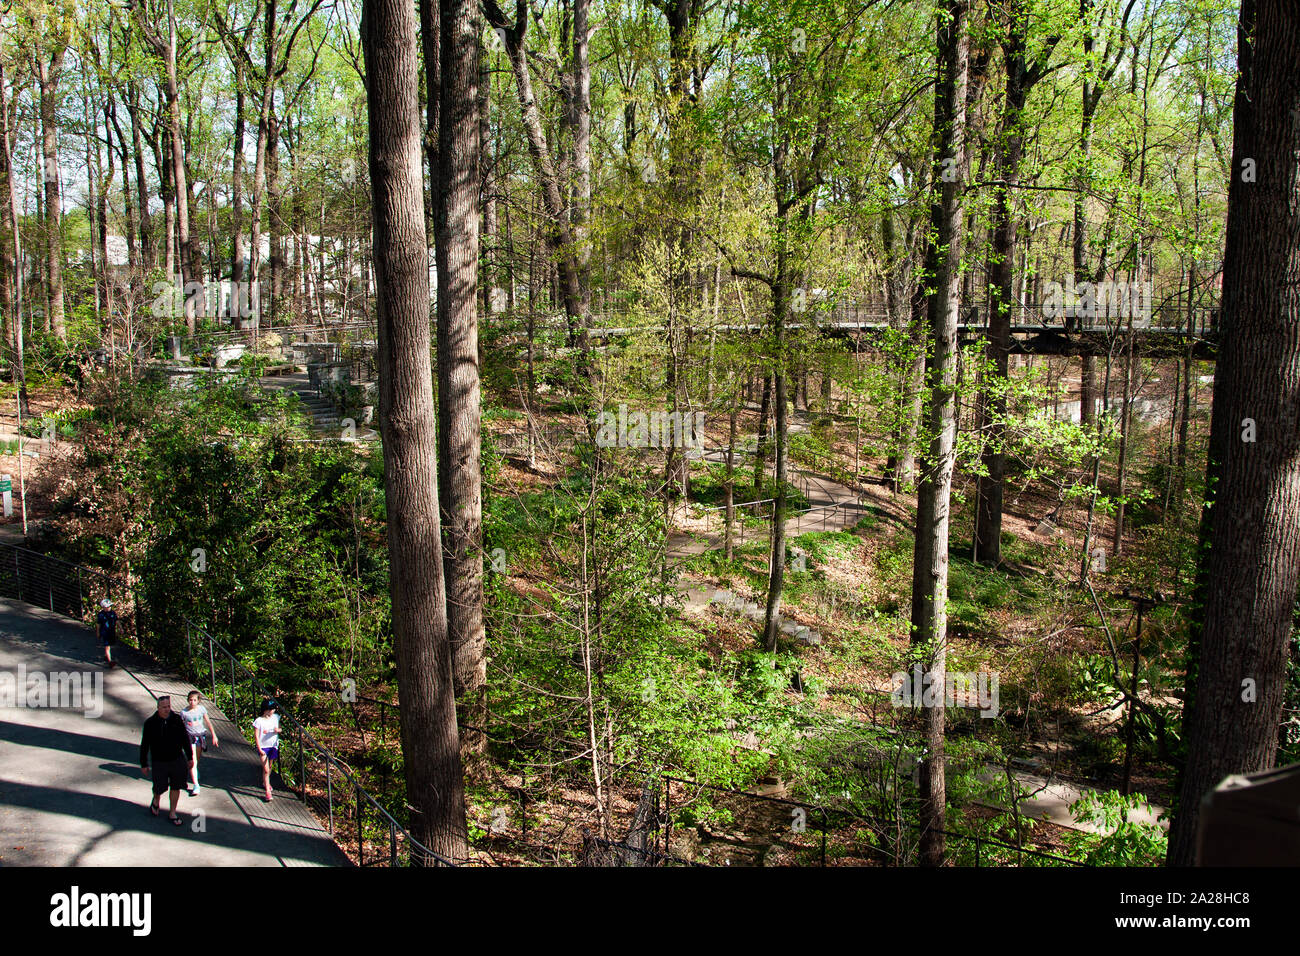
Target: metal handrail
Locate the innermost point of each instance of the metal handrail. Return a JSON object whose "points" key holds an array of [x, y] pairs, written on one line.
{"points": [[303, 735], [823, 814], [47, 581], [27, 564]]}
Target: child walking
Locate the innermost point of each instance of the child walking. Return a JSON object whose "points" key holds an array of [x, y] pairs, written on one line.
{"points": [[198, 725], [106, 624], [266, 729]]}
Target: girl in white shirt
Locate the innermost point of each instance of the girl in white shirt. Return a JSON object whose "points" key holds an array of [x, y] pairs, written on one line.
{"points": [[198, 725], [267, 731]]}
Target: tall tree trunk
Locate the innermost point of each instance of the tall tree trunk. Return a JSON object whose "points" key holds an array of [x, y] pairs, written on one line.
{"points": [[148, 252], [760, 446], [128, 202], [48, 74], [730, 479], [275, 216], [1097, 74], [101, 215], [582, 148], [9, 316], [167, 187], [1021, 76], [1125, 423], [185, 251], [491, 295], [459, 479], [237, 251], [943, 273], [776, 568], [1251, 524], [913, 393], [270, 36], [571, 271], [408, 421], [8, 129], [94, 175]]}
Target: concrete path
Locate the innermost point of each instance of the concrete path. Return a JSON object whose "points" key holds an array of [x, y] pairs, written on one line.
{"points": [[71, 793], [1050, 801], [833, 507]]}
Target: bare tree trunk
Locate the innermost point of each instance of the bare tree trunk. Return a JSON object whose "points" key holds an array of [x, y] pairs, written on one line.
{"points": [[730, 481], [275, 216], [760, 447], [914, 391], [776, 567], [101, 215], [582, 148], [1021, 77], [489, 236], [459, 479], [238, 253], [167, 187], [9, 264], [148, 252], [943, 273], [185, 251], [270, 37], [128, 203], [48, 74], [1250, 561], [408, 421], [570, 266], [1125, 420], [8, 126]]}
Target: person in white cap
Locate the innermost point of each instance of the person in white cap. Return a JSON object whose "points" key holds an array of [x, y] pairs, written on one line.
{"points": [[106, 621]]}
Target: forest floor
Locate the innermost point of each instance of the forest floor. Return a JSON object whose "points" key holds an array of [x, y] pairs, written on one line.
{"points": [[836, 507], [42, 402], [1056, 767]]}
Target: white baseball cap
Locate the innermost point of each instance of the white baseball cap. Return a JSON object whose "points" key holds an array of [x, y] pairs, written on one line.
{"points": [[106, 603]]}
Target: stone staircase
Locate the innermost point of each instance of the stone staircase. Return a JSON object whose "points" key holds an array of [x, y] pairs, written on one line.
{"points": [[324, 415]]}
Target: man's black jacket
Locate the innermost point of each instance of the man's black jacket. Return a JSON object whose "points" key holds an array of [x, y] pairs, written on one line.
{"points": [[167, 739]]}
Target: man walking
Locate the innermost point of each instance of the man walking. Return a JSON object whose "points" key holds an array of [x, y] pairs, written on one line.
{"points": [[106, 621], [166, 738]]}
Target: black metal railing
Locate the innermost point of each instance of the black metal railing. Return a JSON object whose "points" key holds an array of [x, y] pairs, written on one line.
{"points": [[325, 784], [320, 779], [50, 582], [814, 834]]}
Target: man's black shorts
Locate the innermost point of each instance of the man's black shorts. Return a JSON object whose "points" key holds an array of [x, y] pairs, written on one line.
{"points": [[172, 775]]}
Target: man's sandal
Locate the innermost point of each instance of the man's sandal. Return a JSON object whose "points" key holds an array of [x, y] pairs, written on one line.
{"points": [[176, 821], [154, 808]]}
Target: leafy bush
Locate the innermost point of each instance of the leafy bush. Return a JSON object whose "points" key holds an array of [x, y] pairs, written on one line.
{"points": [[1126, 842]]}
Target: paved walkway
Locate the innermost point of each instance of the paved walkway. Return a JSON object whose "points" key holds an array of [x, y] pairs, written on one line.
{"points": [[71, 793], [1051, 801], [831, 507]]}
